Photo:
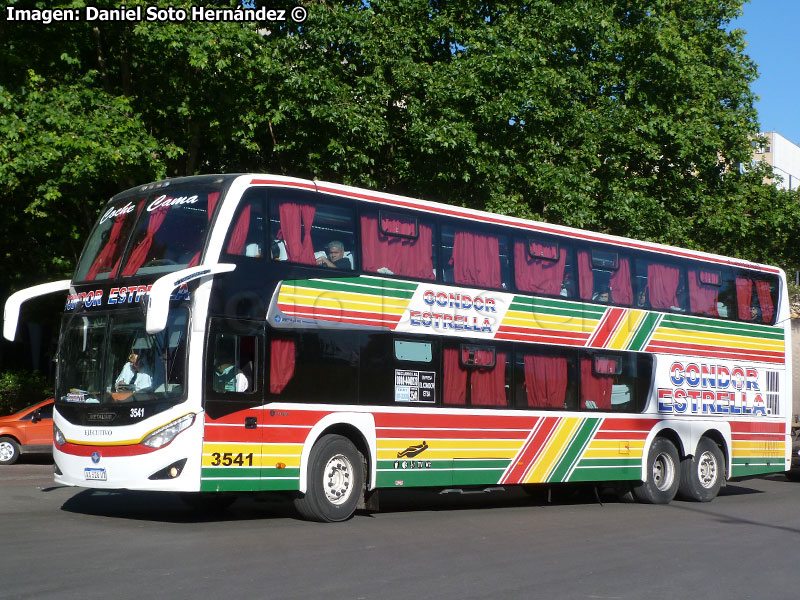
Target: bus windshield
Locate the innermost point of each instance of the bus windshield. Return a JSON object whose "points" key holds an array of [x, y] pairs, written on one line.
{"points": [[106, 359], [153, 233]]}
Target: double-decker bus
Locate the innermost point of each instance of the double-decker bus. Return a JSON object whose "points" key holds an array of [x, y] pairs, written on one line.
{"points": [[244, 333]]}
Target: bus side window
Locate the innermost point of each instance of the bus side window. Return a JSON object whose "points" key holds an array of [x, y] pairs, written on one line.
{"points": [[475, 258], [614, 382], [545, 380], [542, 266], [604, 276], [397, 244], [475, 376], [246, 233], [233, 355], [660, 286], [755, 299], [311, 232]]}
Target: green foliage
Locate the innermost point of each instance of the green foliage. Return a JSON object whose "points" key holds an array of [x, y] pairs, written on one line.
{"points": [[19, 389], [630, 117]]}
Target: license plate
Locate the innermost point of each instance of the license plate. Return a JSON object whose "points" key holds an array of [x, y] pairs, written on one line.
{"points": [[95, 474]]}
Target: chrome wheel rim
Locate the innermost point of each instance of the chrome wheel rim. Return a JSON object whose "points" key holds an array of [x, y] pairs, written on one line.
{"points": [[6, 451], [663, 471], [338, 479], [707, 469]]}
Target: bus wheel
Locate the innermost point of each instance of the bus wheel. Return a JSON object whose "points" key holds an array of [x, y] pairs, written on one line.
{"points": [[701, 474], [9, 451], [663, 474], [335, 480]]}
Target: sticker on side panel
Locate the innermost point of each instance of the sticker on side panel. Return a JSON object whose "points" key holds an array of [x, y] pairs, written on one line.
{"points": [[414, 386]]}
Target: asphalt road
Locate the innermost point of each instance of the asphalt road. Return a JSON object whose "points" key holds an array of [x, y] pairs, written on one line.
{"points": [[70, 543]]}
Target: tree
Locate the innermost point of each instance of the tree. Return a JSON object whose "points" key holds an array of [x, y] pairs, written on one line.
{"points": [[631, 118]]}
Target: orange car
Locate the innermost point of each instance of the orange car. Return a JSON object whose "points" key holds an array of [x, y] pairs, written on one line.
{"points": [[29, 430]]}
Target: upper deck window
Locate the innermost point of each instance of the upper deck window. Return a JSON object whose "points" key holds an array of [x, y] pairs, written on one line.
{"points": [[474, 258], [541, 266], [169, 233], [311, 232], [396, 244]]}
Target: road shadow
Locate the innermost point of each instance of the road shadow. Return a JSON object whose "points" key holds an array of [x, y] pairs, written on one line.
{"points": [[168, 507]]}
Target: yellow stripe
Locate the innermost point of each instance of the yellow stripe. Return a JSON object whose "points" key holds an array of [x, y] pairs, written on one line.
{"points": [[306, 294], [545, 464], [542, 321], [739, 341], [626, 330]]}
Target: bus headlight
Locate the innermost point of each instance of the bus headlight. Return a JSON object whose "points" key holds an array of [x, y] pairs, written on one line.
{"points": [[164, 435], [58, 437]]}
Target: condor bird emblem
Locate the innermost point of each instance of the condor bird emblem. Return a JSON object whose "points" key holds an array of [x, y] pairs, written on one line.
{"points": [[413, 451]]}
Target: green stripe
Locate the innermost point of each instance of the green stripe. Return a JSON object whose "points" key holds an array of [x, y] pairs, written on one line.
{"points": [[249, 485], [610, 462], [551, 306], [251, 472], [607, 474], [646, 329], [724, 327], [741, 470], [575, 449], [415, 478]]}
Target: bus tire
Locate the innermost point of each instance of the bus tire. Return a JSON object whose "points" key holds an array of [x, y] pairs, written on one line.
{"points": [[9, 451], [663, 474], [702, 474], [335, 481]]}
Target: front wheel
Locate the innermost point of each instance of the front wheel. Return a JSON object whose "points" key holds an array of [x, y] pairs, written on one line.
{"points": [[663, 474], [702, 474], [335, 480], [9, 451]]}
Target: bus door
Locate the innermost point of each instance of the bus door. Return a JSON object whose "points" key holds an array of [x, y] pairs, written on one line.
{"points": [[234, 396]]}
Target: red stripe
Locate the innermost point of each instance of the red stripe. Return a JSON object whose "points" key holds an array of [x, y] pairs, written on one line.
{"points": [[531, 450], [106, 451], [448, 434], [488, 218], [547, 332], [232, 433], [758, 427], [449, 421], [614, 424], [300, 184], [501, 335], [715, 351], [339, 315], [607, 326]]}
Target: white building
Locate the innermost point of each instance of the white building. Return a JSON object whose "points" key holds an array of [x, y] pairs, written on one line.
{"points": [[784, 156]]}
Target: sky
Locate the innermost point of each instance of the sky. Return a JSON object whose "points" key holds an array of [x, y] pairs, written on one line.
{"points": [[773, 42]]}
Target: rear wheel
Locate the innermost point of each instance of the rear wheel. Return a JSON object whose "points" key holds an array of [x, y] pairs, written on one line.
{"points": [[335, 480], [702, 474], [663, 474], [9, 451]]}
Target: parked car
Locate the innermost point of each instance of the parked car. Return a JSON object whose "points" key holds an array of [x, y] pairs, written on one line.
{"points": [[27, 431]]}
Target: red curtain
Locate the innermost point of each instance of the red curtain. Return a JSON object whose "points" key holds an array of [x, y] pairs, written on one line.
{"points": [[662, 282], [765, 299], [476, 260], [702, 297], [585, 275], [409, 257], [546, 381], [744, 298], [105, 259], [212, 203], [536, 275], [240, 231], [488, 385], [281, 364], [620, 283], [139, 254], [296, 219], [455, 379], [595, 388]]}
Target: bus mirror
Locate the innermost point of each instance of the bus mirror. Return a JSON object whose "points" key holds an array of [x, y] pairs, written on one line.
{"points": [[15, 300], [157, 302]]}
